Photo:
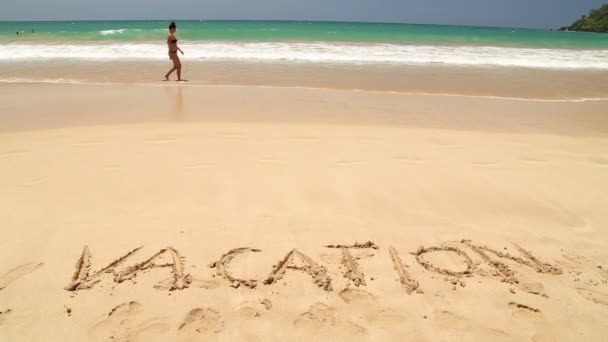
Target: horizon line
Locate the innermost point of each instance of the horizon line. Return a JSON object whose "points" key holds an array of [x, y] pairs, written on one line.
{"points": [[275, 20]]}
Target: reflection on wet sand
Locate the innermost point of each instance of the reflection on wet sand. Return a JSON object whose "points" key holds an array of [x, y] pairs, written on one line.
{"points": [[176, 109]]}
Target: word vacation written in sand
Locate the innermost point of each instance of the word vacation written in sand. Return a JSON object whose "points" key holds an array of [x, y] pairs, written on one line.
{"points": [[468, 260], [297, 261]]}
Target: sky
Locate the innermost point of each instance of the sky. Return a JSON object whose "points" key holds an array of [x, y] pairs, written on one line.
{"points": [[508, 13]]}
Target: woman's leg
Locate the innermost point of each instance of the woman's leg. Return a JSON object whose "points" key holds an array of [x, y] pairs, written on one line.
{"points": [[169, 73], [173, 57], [178, 66]]}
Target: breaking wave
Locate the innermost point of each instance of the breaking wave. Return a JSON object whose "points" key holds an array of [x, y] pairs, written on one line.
{"points": [[318, 52]]}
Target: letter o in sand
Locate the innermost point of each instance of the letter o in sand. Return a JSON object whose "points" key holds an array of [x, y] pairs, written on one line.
{"points": [[429, 266]]}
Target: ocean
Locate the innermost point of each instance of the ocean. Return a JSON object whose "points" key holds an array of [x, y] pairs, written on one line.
{"points": [[306, 42]]}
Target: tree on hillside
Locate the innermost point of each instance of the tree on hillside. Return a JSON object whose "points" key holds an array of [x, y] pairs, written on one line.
{"points": [[596, 21]]}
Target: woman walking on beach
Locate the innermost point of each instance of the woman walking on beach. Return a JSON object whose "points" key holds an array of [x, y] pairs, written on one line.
{"points": [[173, 49]]}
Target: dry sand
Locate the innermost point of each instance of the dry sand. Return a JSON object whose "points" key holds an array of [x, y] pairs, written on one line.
{"points": [[253, 208]]}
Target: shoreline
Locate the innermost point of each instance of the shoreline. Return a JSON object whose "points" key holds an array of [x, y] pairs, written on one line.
{"points": [[516, 83], [187, 83]]}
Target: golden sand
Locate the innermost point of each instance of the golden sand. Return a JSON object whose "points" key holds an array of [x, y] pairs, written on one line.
{"points": [[153, 213]]}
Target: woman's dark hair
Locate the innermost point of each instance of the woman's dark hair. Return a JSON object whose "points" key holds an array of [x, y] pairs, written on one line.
{"points": [[172, 25]]}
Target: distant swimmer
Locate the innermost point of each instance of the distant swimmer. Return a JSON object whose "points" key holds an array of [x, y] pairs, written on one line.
{"points": [[173, 49]]}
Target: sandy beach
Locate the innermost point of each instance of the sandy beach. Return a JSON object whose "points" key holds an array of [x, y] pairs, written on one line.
{"points": [[240, 213]]}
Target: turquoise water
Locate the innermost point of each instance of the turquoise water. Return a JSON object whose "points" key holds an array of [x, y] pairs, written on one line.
{"points": [[283, 31], [305, 42]]}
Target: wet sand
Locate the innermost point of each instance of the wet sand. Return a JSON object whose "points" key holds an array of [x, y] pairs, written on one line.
{"points": [[415, 79]]}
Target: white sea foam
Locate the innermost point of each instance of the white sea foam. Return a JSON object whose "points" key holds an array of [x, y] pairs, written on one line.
{"points": [[112, 32], [321, 53]]}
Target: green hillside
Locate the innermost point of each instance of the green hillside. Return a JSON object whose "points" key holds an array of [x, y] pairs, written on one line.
{"points": [[595, 21]]}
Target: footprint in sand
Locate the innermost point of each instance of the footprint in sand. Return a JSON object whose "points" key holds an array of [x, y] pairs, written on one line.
{"points": [[451, 321], [533, 288], [17, 273], [202, 321], [3, 315], [321, 317], [373, 312], [593, 296], [357, 296], [123, 325], [459, 325], [385, 316], [521, 311], [250, 309]]}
